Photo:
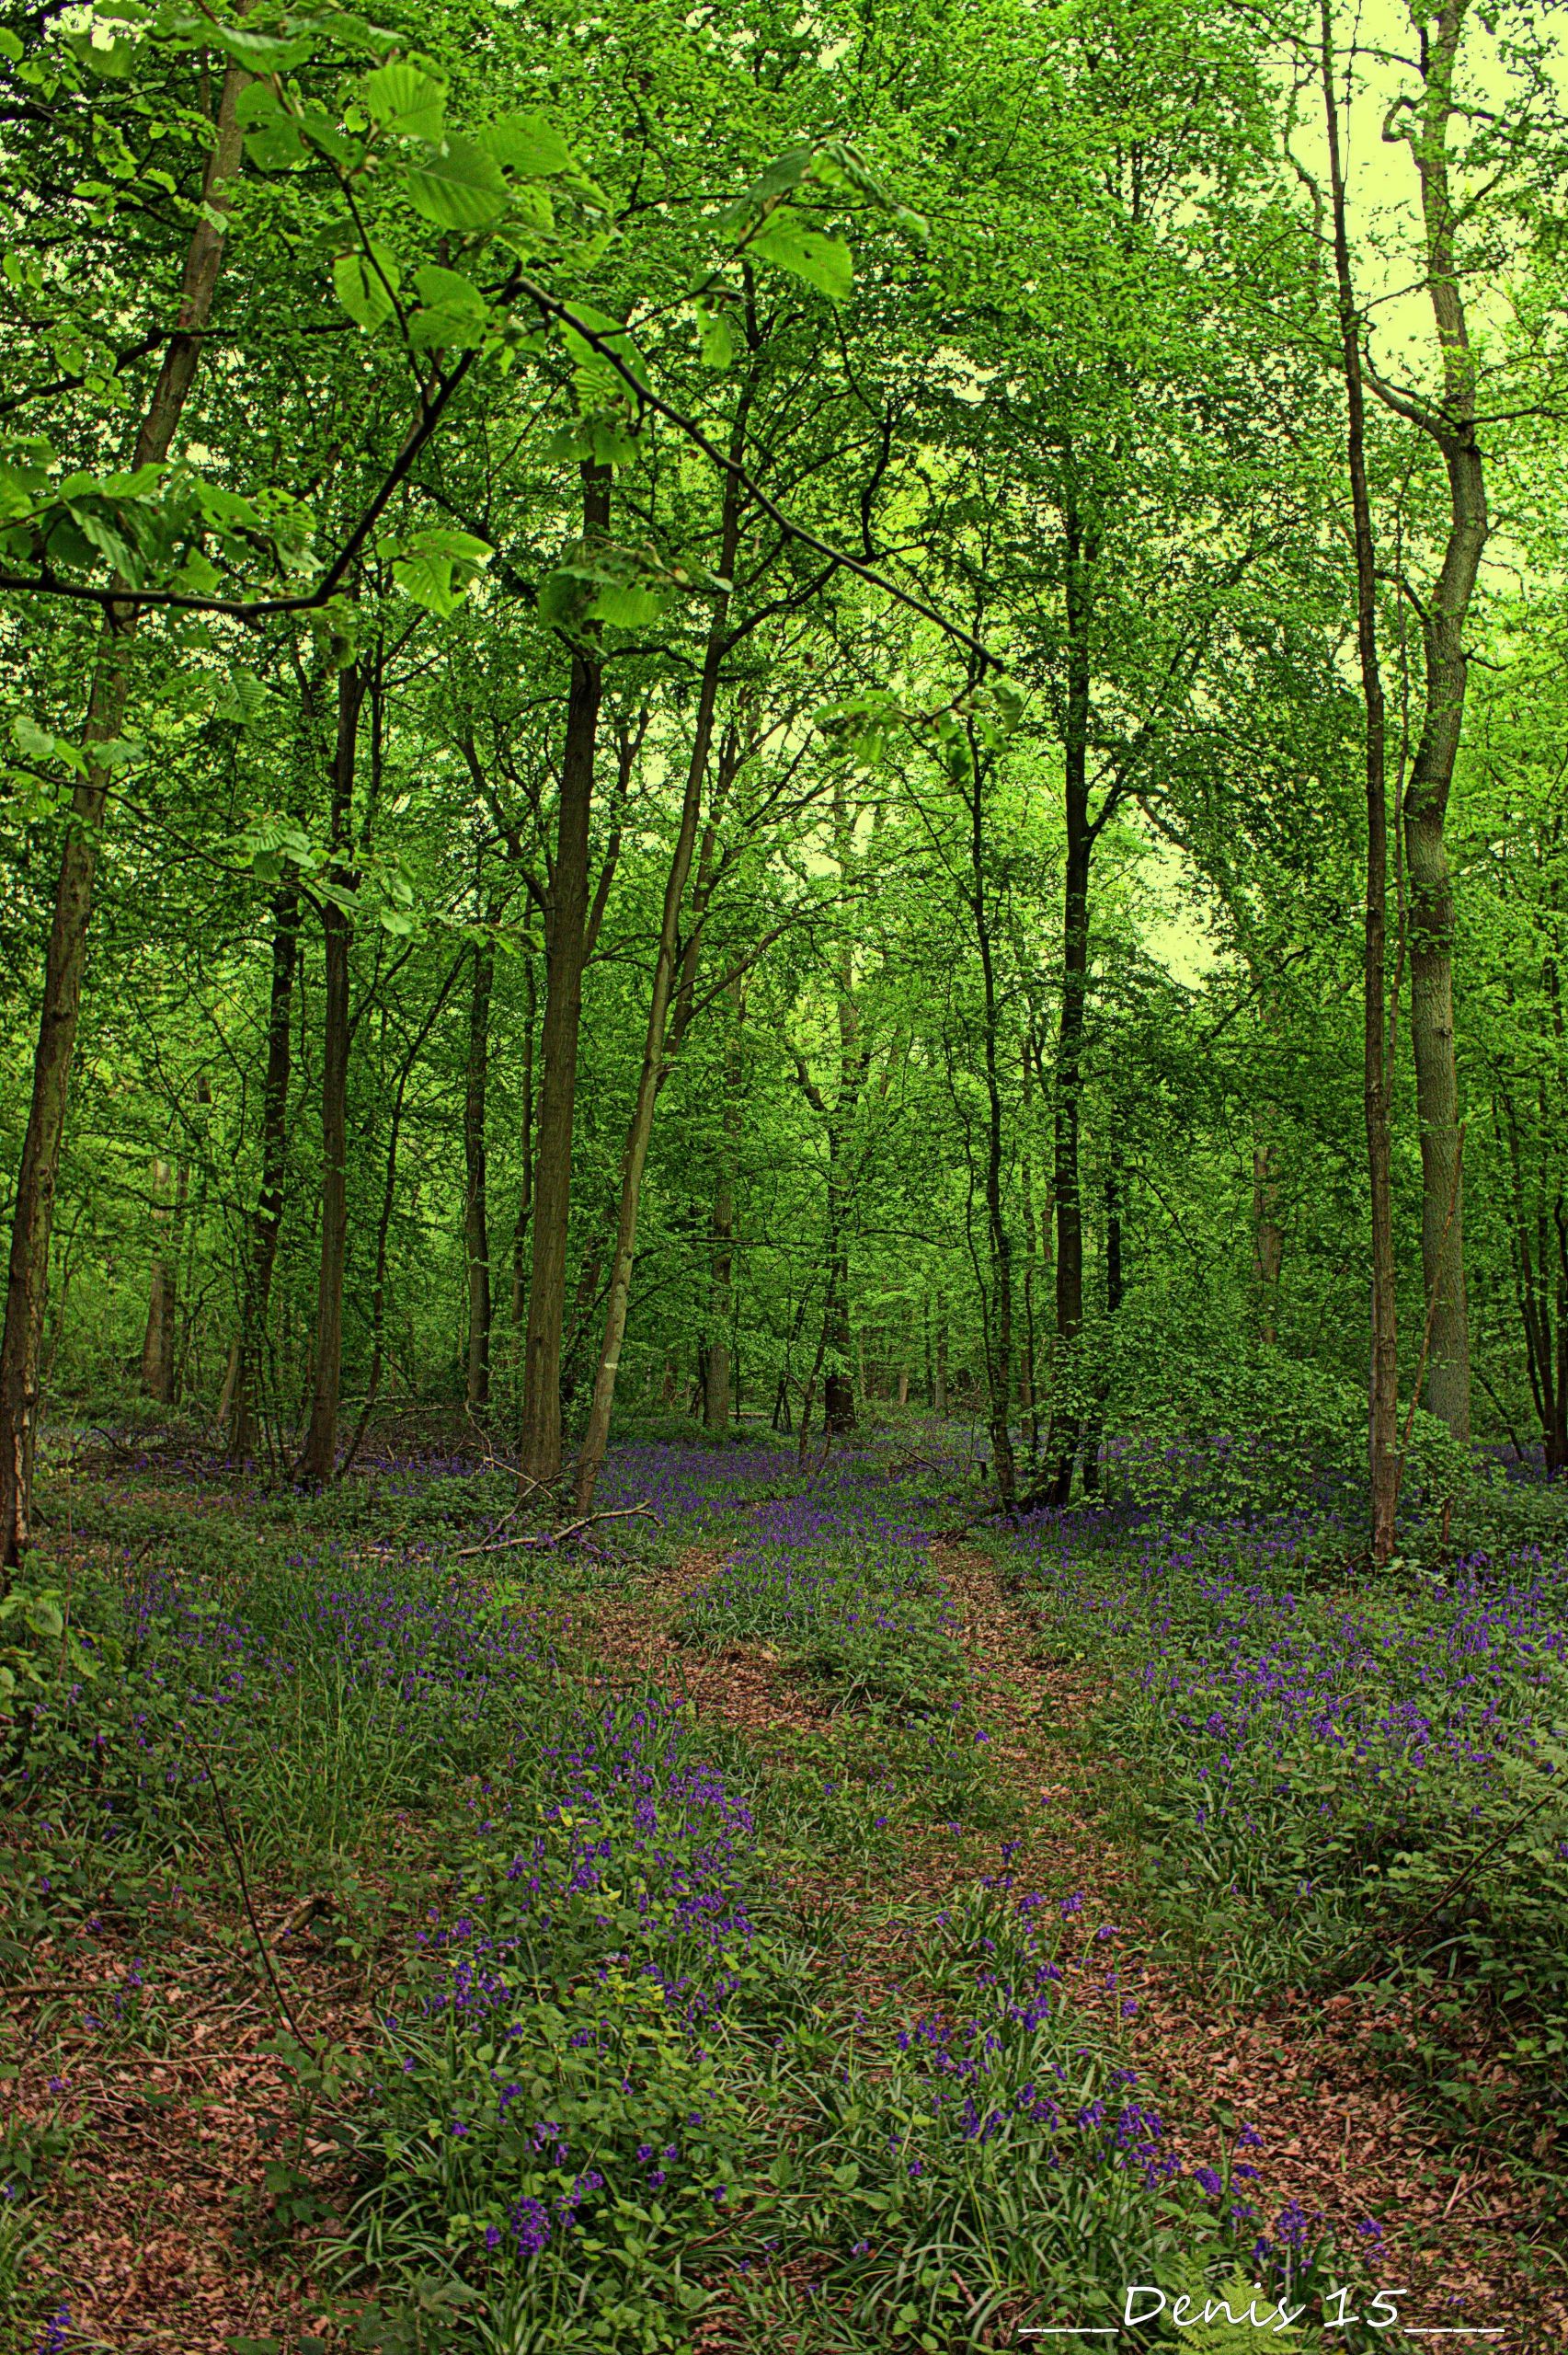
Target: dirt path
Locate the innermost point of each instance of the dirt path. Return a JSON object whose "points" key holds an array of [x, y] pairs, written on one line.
{"points": [[1332, 2134]]}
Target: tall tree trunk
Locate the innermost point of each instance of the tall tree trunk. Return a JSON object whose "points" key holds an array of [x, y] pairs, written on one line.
{"points": [[1269, 1238], [383, 1221], [318, 1457], [838, 1344], [1061, 1443], [525, 1189], [633, 1159], [476, 1216], [999, 1308], [540, 1439], [1443, 619], [157, 1340], [246, 1376], [26, 1281], [719, 1399], [939, 1375], [1382, 1416]]}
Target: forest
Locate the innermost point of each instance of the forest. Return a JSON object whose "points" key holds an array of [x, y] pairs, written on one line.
{"points": [[783, 1149]]}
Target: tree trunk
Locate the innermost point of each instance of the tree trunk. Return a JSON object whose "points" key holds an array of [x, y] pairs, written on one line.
{"points": [[1431, 780], [244, 1380], [939, 1376], [1383, 1377], [26, 1281], [157, 1342], [525, 1190], [476, 1217], [1269, 1239], [318, 1457], [721, 1293], [634, 1160], [540, 1439], [1061, 1443], [999, 1308], [383, 1222]]}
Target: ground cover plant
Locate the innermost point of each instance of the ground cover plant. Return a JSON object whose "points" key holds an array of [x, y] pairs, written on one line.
{"points": [[571, 2048], [784, 1143]]}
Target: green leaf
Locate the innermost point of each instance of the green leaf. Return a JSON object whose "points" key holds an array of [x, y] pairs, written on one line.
{"points": [[460, 188], [272, 139], [823, 262], [716, 339], [455, 314], [365, 284], [627, 606], [110, 60], [450, 289], [404, 99], [436, 567], [528, 144]]}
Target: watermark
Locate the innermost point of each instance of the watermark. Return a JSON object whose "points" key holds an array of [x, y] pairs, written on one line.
{"points": [[1143, 2302]]}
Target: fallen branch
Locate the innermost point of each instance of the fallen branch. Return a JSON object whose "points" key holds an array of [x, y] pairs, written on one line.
{"points": [[547, 1538]]}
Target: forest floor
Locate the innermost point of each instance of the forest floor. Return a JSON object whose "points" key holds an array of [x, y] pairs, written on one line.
{"points": [[200, 1990]]}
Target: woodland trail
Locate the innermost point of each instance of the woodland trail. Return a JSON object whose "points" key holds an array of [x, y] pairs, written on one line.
{"points": [[1292, 2076]]}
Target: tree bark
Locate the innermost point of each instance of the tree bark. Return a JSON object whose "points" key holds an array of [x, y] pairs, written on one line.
{"points": [[383, 1221], [26, 1281], [1382, 1415], [245, 1377], [476, 1216], [525, 1189], [999, 1308], [318, 1457], [1062, 1440], [540, 1439], [157, 1340], [718, 1400], [634, 1160], [1443, 619]]}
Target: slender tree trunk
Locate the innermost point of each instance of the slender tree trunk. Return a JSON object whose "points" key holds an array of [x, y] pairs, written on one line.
{"points": [[721, 1288], [318, 1456], [1383, 1380], [525, 1189], [1061, 1443], [540, 1439], [939, 1379], [246, 1362], [383, 1221], [1443, 621], [476, 1216], [634, 1160], [1269, 1239], [26, 1281], [998, 1309], [157, 1340]]}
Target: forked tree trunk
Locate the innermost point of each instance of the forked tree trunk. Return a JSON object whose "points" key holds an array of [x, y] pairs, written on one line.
{"points": [[633, 1159], [1444, 618], [540, 1438], [1382, 1415], [476, 1215], [27, 1279], [318, 1457]]}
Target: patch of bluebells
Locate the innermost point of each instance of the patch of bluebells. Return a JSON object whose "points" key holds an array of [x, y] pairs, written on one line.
{"points": [[1299, 1731], [843, 1580]]}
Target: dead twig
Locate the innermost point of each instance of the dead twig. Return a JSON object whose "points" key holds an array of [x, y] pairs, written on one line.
{"points": [[549, 1538]]}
